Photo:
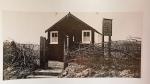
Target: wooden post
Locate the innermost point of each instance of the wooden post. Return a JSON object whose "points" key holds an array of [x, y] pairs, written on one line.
{"points": [[43, 60], [67, 43], [103, 39], [109, 46], [103, 45], [67, 53]]}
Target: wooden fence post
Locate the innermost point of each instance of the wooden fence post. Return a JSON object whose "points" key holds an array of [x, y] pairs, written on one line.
{"points": [[43, 60]]}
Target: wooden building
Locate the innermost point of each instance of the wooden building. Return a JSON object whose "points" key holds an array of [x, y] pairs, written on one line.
{"points": [[71, 28]]}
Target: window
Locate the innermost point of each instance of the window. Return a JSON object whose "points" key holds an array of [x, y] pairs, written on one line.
{"points": [[86, 36], [54, 37]]}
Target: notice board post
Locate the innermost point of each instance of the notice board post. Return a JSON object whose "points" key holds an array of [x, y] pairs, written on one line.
{"points": [[107, 31]]}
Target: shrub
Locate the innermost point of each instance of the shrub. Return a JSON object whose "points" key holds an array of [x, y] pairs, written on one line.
{"points": [[125, 56], [19, 59]]}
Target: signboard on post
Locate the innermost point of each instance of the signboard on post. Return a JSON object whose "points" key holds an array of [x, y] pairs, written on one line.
{"points": [[107, 27], [107, 31]]}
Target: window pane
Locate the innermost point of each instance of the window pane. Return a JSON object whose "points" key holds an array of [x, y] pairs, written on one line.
{"points": [[54, 39], [84, 34], [53, 34], [56, 35], [87, 33], [86, 39]]}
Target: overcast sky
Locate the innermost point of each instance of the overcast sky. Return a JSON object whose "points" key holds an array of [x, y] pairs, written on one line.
{"points": [[27, 27]]}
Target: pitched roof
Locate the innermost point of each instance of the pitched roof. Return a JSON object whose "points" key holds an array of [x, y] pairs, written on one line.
{"points": [[71, 15]]}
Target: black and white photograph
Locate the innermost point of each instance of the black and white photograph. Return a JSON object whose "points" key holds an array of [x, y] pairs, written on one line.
{"points": [[71, 44], [74, 41]]}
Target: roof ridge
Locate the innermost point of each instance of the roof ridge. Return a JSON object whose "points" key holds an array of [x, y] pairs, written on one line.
{"points": [[71, 15]]}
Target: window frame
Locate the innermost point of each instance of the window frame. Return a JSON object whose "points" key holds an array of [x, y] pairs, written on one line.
{"points": [[51, 37], [90, 35]]}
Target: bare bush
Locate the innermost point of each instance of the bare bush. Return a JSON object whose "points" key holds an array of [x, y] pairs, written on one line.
{"points": [[125, 59], [19, 59]]}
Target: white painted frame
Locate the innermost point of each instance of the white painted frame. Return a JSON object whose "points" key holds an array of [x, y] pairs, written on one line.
{"points": [[53, 37], [86, 42]]}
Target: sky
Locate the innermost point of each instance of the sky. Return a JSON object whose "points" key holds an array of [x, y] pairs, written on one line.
{"points": [[27, 27]]}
